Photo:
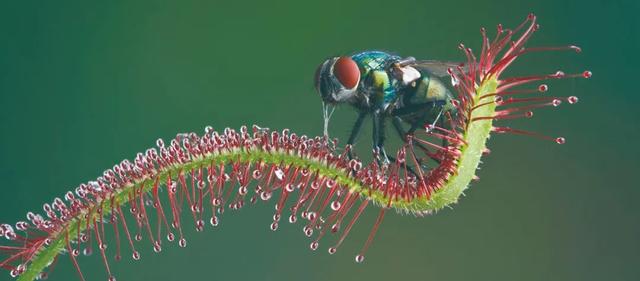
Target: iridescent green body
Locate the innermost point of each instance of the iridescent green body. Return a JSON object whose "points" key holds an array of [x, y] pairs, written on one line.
{"points": [[385, 86], [381, 89]]}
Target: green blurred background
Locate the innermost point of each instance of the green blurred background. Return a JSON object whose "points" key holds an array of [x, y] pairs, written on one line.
{"points": [[84, 85]]}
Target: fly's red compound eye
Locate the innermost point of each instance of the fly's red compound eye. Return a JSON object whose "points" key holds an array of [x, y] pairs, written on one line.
{"points": [[347, 72]]}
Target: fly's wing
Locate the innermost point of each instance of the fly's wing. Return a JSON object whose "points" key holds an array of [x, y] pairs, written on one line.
{"points": [[438, 68]]}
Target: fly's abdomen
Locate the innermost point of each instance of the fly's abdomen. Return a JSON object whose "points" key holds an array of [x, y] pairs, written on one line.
{"points": [[430, 89]]}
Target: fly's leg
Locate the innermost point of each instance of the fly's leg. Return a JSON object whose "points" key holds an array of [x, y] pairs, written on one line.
{"points": [[419, 123], [436, 121], [355, 131], [397, 124], [378, 137], [442, 124], [416, 125]]}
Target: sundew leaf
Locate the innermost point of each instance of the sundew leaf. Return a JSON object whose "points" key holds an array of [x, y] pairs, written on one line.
{"points": [[193, 179]]}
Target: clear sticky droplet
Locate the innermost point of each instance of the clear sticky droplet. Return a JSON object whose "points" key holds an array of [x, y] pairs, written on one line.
{"points": [[314, 245], [135, 255], [335, 205]]}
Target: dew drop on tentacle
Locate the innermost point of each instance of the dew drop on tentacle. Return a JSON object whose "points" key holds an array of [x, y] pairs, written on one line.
{"points": [[289, 187], [331, 183], [274, 226], [543, 88], [314, 245], [332, 250], [216, 201], [135, 255], [528, 114], [359, 258], [335, 205], [265, 195], [182, 243], [256, 174], [311, 216], [308, 231], [560, 140], [572, 99], [214, 221], [315, 184], [200, 225], [242, 190]]}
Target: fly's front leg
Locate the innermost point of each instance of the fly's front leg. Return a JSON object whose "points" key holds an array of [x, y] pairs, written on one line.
{"points": [[378, 137], [355, 131], [383, 95]]}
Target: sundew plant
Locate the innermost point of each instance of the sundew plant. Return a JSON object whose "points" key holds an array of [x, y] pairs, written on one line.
{"points": [[190, 181]]}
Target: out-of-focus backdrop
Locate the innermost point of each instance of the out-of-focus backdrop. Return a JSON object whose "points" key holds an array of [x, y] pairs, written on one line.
{"points": [[85, 84]]}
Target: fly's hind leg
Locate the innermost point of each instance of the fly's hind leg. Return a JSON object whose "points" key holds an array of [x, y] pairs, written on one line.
{"points": [[420, 123], [397, 124]]}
